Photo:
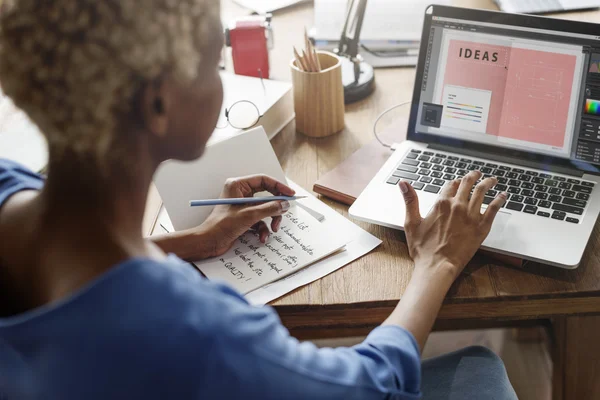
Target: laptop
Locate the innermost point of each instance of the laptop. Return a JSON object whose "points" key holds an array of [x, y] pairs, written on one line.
{"points": [[545, 6], [516, 97]]}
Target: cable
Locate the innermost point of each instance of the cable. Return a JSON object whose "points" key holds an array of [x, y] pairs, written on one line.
{"points": [[381, 116]]}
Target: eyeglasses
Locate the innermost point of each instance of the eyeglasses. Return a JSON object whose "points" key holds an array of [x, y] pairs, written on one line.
{"points": [[243, 114]]}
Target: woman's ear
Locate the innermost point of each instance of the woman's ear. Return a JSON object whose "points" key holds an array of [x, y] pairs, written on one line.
{"points": [[155, 106]]}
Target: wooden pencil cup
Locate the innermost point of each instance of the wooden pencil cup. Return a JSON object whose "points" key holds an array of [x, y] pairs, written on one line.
{"points": [[319, 97]]}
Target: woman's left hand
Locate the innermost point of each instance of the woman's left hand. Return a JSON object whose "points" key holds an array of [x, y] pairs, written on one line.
{"points": [[228, 222]]}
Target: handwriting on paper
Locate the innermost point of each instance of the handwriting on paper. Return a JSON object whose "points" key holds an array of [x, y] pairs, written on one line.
{"points": [[250, 264]]}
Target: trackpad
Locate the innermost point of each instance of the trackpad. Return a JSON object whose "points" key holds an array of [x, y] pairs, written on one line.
{"points": [[497, 234]]}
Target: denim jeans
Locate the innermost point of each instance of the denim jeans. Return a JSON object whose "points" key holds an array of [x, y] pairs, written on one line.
{"points": [[472, 373]]}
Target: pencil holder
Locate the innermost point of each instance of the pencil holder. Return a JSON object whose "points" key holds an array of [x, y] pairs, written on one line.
{"points": [[319, 97]]}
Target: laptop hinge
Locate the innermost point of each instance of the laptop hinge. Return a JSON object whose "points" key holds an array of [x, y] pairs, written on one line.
{"points": [[509, 160]]}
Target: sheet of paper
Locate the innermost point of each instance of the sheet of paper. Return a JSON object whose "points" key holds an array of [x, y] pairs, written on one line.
{"points": [[179, 182], [250, 264], [266, 6], [384, 19], [20, 139], [358, 243]]}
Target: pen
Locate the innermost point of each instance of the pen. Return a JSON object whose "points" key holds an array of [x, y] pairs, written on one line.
{"points": [[243, 200]]}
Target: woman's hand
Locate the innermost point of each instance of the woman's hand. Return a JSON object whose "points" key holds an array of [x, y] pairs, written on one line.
{"points": [[227, 223], [441, 245], [455, 227]]}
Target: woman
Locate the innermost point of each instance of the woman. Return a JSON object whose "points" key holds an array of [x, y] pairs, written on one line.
{"points": [[91, 310]]}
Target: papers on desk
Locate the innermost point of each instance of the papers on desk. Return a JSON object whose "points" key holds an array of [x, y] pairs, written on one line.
{"points": [[274, 100], [267, 6], [302, 251]]}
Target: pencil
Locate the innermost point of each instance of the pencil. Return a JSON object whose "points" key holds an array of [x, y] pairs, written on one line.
{"points": [[242, 201], [308, 62], [309, 52], [317, 59], [300, 61]]}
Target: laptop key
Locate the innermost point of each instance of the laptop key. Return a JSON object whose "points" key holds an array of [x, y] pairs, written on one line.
{"points": [[581, 196], [537, 180], [498, 173], [415, 151], [588, 184], [532, 173], [418, 185], [527, 185], [543, 214], [412, 156], [425, 172], [428, 153], [448, 177], [438, 168], [531, 201], [558, 215], [437, 174], [575, 181], [524, 178], [452, 158], [426, 179], [501, 188], [486, 170], [572, 220], [565, 185], [414, 163], [472, 167], [554, 191], [504, 168], [393, 180], [570, 194], [514, 190], [407, 168], [512, 175], [566, 208], [514, 182], [487, 199], [530, 209], [461, 165], [545, 176], [551, 183], [582, 189], [478, 163], [541, 196], [432, 189], [560, 179], [517, 198], [494, 166], [518, 170], [492, 193], [502, 180], [406, 175], [575, 202], [545, 204], [555, 199], [440, 155], [449, 163], [514, 206], [462, 172], [527, 192], [465, 160], [436, 160], [541, 188], [439, 182], [424, 158], [450, 170]]}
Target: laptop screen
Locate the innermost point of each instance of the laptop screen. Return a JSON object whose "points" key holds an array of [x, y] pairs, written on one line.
{"points": [[527, 89]]}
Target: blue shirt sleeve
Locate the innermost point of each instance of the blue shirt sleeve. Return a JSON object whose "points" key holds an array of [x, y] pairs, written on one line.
{"points": [[263, 361], [15, 178]]}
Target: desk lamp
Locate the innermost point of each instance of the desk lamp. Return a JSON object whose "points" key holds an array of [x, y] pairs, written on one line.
{"points": [[358, 77]]}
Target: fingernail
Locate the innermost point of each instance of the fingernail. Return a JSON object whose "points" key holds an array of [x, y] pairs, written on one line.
{"points": [[277, 225], [285, 205], [504, 195], [403, 187]]}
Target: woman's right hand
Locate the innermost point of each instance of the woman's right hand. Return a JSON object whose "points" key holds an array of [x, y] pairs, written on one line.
{"points": [[454, 228]]}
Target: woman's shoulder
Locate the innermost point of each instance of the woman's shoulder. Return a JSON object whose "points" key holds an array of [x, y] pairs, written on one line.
{"points": [[15, 177]]}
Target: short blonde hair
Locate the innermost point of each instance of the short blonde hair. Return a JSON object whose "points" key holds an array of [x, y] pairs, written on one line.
{"points": [[75, 66]]}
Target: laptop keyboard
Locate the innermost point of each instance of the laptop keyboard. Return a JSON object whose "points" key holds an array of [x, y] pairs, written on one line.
{"points": [[531, 192]]}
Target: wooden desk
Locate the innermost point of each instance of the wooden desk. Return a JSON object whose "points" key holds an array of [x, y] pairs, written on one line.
{"points": [[358, 297]]}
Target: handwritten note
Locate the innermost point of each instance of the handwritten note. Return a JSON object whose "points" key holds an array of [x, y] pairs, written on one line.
{"points": [[250, 264]]}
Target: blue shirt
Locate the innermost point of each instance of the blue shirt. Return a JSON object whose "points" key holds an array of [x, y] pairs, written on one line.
{"points": [[159, 330]]}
